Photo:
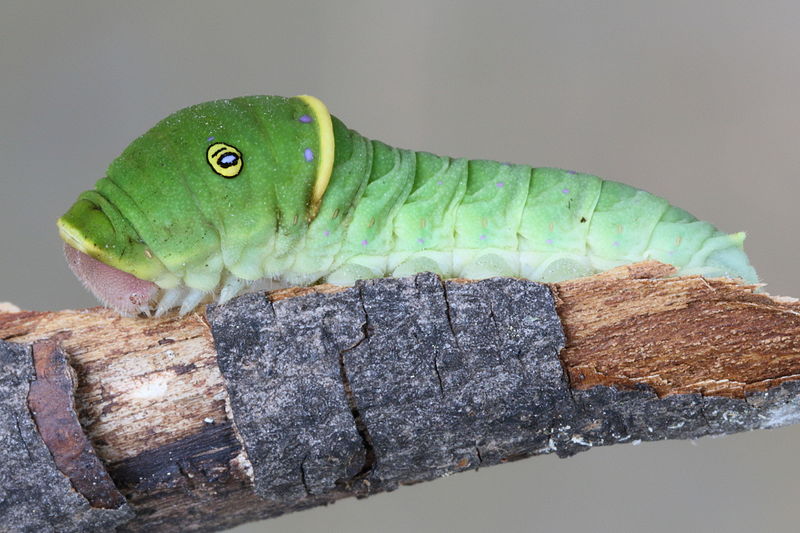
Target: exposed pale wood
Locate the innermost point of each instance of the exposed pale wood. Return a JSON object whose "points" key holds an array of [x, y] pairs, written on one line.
{"points": [[144, 386], [141, 383], [154, 404]]}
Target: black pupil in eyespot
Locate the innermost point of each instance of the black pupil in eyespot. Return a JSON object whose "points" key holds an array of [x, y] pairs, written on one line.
{"points": [[228, 159]]}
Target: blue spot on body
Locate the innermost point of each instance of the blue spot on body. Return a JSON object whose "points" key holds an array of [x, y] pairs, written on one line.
{"points": [[305, 119], [210, 139], [228, 159], [364, 242], [565, 191], [309, 155]]}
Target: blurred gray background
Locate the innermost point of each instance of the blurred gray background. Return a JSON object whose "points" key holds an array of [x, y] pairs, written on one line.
{"points": [[694, 101]]}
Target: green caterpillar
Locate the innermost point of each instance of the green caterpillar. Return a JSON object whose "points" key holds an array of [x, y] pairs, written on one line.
{"points": [[227, 192]]}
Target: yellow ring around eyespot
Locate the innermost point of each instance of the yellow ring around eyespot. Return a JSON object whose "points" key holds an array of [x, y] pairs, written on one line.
{"points": [[214, 155], [326, 150]]}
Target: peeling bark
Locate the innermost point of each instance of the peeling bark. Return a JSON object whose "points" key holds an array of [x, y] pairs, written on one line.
{"points": [[44, 487], [280, 403], [50, 401]]}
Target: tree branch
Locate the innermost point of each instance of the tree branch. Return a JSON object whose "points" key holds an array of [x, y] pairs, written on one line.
{"points": [[269, 405]]}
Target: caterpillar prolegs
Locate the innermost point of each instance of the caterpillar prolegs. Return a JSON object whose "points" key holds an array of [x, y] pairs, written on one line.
{"points": [[226, 194]]}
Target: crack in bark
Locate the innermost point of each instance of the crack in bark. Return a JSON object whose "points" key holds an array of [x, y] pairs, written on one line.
{"points": [[435, 354], [497, 338], [303, 478], [703, 414], [361, 426], [438, 374], [22, 438], [449, 315], [557, 303]]}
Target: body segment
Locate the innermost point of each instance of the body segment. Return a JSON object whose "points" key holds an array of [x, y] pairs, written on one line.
{"points": [[223, 194]]}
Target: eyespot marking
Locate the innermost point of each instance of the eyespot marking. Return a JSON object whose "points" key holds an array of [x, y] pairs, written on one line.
{"points": [[224, 159]]}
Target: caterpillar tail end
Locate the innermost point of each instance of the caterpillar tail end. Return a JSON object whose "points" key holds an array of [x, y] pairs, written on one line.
{"points": [[726, 257]]}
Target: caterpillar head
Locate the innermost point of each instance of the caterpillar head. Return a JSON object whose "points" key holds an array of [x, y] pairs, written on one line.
{"points": [[194, 202]]}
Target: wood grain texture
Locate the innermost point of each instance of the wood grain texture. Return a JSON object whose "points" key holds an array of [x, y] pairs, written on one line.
{"points": [[425, 378], [149, 388], [141, 383], [677, 335]]}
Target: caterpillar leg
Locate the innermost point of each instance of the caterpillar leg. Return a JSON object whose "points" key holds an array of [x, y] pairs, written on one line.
{"points": [[489, 265], [565, 268], [417, 264], [348, 274]]}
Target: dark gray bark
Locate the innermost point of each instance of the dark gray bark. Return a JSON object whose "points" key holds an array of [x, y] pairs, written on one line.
{"points": [[34, 495], [333, 393], [398, 381]]}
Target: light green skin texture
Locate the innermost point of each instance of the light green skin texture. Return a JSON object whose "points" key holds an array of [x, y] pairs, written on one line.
{"points": [[164, 215]]}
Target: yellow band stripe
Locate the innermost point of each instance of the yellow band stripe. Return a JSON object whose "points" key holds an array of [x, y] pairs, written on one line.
{"points": [[326, 151]]}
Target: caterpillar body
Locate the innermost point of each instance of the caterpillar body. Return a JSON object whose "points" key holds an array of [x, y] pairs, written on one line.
{"points": [[222, 194]]}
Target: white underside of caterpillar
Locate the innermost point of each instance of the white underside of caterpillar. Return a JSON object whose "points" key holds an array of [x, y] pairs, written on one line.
{"points": [[469, 264]]}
